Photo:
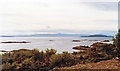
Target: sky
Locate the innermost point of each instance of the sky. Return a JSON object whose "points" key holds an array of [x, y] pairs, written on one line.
{"points": [[20, 17]]}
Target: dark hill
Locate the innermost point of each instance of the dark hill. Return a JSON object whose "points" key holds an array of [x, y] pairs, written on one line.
{"points": [[97, 35]]}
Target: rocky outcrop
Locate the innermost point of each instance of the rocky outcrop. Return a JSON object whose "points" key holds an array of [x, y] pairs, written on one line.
{"points": [[81, 47], [106, 41], [75, 40]]}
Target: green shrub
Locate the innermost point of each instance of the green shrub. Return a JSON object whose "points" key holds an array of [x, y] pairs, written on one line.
{"points": [[27, 59], [14, 65], [116, 42], [6, 66], [61, 60], [100, 48], [32, 65], [50, 52], [100, 51]]}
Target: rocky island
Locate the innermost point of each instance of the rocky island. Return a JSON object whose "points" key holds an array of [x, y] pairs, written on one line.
{"points": [[15, 42], [97, 35]]}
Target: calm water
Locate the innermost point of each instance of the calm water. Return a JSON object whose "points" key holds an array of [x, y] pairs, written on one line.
{"points": [[60, 43]]}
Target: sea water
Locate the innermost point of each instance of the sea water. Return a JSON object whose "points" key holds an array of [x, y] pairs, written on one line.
{"points": [[42, 43]]}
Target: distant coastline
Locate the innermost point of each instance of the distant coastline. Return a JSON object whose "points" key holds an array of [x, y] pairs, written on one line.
{"points": [[58, 35], [97, 35]]}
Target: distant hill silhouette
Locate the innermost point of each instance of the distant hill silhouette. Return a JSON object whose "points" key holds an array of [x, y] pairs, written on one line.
{"points": [[48, 35], [58, 35], [97, 35], [6, 36]]}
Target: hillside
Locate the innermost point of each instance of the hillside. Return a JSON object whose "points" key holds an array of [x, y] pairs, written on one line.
{"points": [[106, 64]]}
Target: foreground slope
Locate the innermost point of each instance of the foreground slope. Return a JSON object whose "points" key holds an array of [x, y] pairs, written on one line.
{"points": [[106, 64]]}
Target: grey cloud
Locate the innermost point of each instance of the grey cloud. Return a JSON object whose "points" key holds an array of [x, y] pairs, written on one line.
{"points": [[108, 21], [107, 6]]}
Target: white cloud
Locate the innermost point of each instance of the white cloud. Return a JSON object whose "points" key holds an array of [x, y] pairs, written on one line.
{"points": [[34, 15]]}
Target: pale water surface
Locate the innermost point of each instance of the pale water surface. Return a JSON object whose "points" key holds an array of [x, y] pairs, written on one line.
{"points": [[59, 43]]}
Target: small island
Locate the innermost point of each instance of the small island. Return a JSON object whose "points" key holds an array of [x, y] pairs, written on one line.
{"points": [[97, 35], [81, 47], [106, 41], [15, 42], [75, 40]]}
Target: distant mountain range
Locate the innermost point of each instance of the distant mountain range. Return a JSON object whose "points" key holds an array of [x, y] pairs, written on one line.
{"points": [[58, 35]]}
